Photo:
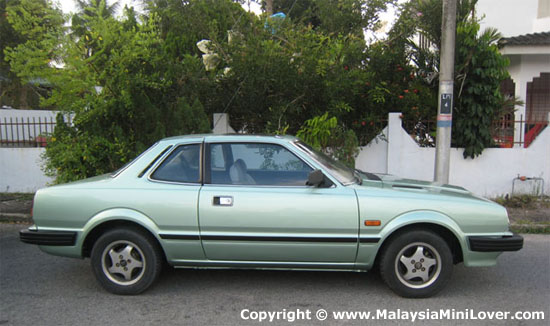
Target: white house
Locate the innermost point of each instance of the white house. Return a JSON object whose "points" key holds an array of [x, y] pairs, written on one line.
{"points": [[525, 26]]}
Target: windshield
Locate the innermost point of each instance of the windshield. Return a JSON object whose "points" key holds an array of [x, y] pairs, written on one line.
{"points": [[338, 170]]}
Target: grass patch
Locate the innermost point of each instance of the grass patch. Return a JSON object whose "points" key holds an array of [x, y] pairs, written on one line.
{"points": [[531, 228], [523, 201], [5, 196]]}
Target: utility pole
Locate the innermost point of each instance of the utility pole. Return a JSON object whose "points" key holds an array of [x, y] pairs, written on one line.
{"points": [[446, 83]]}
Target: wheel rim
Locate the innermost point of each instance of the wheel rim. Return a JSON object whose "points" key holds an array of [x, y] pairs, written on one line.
{"points": [[123, 262], [418, 265]]}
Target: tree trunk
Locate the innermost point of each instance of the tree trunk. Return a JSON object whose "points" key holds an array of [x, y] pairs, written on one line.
{"points": [[269, 7]]}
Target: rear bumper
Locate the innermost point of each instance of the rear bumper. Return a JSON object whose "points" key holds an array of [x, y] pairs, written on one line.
{"points": [[48, 238], [496, 244]]}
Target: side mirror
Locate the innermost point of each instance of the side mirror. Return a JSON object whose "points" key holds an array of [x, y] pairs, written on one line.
{"points": [[315, 178]]}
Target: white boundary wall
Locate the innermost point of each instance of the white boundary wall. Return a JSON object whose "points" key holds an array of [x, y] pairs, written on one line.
{"points": [[490, 174], [20, 170]]}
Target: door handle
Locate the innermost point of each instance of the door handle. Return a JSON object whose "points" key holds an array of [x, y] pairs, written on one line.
{"points": [[222, 201]]}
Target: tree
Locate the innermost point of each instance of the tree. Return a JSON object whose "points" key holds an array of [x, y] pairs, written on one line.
{"points": [[9, 83], [115, 84], [288, 77], [40, 26], [131, 80], [87, 12], [479, 68], [334, 16], [478, 79], [19, 87]]}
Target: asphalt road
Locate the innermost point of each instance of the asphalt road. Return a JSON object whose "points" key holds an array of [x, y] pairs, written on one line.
{"points": [[39, 289]]}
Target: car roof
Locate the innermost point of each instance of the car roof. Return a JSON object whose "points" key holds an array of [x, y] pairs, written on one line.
{"points": [[231, 137]]}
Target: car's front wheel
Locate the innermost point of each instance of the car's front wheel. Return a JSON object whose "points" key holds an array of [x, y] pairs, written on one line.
{"points": [[126, 260], [416, 264]]}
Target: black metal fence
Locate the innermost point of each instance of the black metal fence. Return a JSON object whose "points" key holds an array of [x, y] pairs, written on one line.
{"points": [[26, 132], [502, 131], [35, 131]]}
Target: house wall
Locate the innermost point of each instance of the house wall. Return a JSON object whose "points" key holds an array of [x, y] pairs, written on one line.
{"points": [[523, 68], [490, 175], [510, 17], [20, 170]]}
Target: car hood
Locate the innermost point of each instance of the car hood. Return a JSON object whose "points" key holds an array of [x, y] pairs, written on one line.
{"points": [[398, 182], [388, 196], [389, 181]]}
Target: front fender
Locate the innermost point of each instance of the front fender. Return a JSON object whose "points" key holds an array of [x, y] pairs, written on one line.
{"points": [[367, 252]]}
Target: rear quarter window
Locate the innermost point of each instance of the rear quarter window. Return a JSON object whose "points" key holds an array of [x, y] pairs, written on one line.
{"points": [[182, 165]]}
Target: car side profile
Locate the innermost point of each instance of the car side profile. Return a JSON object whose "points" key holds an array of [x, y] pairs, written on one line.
{"points": [[265, 202]]}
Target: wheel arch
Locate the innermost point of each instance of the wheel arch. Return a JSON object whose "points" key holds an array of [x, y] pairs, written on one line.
{"points": [[448, 236], [436, 222], [118, 218]]}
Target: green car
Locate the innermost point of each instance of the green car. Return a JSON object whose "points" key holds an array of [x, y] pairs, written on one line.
{"points": [[265, 202]]}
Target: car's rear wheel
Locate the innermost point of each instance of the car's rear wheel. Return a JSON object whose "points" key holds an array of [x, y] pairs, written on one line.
{"points": [[416, 264], [126, 260]]}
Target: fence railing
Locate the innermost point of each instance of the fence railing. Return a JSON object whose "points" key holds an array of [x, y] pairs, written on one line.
{"points": [[503, 132], [26, 132], [34, 131]]}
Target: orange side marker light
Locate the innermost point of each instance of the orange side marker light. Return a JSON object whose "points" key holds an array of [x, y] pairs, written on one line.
{"points": [[372, 222]]}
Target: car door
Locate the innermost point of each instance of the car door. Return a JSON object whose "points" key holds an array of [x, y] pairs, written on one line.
{"points": [[169, 197], [255, 206]]}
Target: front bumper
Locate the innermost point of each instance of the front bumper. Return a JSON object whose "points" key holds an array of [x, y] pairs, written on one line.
{"points": [[48, 238], [496, 244]]}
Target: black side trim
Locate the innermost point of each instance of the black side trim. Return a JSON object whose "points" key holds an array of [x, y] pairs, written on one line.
{"points": [[369, 240], [496, 244], [266, 238], [289, 239], [249, 264], [179, 237], [48, 238]]}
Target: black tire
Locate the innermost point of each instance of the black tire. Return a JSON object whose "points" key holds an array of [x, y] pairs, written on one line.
{"points": [[137, 260], [416, 264]]}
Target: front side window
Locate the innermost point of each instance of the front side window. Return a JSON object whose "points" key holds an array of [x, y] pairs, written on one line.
{"points": [[256, 164], [182, 165]]}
